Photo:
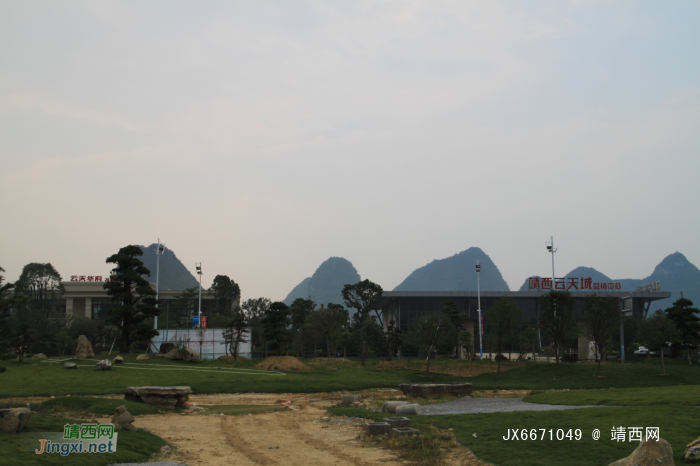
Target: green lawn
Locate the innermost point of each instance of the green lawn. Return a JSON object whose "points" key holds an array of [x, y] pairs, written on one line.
{"points": [[131, 446], [545, 376], [95, 405], [678, 425], [682, 395], [34, 378]]}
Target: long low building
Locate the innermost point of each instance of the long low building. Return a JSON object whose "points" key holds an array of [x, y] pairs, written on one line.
{"points": [[402, 307]]}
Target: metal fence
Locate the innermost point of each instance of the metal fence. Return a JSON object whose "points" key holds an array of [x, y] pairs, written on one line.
{"points": [[208, 342]]}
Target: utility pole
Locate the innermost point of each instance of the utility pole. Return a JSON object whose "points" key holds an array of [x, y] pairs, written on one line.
{"points": [[478, 298], [159, 252], [552, 249], [199, 320]]}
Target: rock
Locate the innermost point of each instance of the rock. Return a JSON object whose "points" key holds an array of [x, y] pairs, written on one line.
{"points": [[436, 390], [160, 396], [39, 356], [378, 428], [649, 453], [143, 356], [410, 409], [350, 399], [104, 365], [166, 347], [186, 354], [692, 452], [398, 421], [118, 360], [84, 348], [401, 431], [122, 419], [390, 406], [70, 365], [13, 420], [166, 449]]}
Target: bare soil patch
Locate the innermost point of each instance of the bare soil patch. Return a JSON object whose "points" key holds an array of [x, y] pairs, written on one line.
{"points": [[282, 363]]}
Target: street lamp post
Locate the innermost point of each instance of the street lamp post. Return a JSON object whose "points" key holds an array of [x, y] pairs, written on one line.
{"points": [[552, 249], [199, 321], [160, 249], [478, 298], [624, 313]]}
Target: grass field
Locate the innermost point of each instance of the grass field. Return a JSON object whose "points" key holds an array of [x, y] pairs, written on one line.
{"points": [[678, 425], [79, 404], [34, 378], [131, 446]]}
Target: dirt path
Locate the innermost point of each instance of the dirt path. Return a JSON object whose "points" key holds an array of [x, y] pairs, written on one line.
{"points": [[299, 436]]}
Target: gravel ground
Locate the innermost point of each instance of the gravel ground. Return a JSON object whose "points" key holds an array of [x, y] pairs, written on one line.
{"points": [[157, 463], [470, 405]]}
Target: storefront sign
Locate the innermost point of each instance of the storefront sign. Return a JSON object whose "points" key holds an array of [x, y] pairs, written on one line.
{"points": [[537, 283]]}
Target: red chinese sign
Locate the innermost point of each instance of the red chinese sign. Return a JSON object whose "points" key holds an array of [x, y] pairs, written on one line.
{"points": [[537, 283], [87, 278]]}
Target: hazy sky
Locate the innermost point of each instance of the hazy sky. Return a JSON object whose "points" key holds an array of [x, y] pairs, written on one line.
{"points": [[261, 138]]}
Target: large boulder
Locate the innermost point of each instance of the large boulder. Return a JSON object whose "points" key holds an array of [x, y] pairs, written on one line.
{"points": [[649, 453], [436, 390], [118, 360], [13, 420], [166, 347], [104, 365], [84, 348], [185, 354], [143, 356], [122, 419], [169, 397], [692, 451]]}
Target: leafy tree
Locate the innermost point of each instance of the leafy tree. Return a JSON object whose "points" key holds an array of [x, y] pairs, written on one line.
{"points": [[368, 335], [467, 341], [7, 297], [602, 318], [275, 325], [504, 316], [557, 317], [327, 323], [41, 283], [656, 331], [528, 340], [449, 308], [687, 322], [426, 332], [359, 296], [186, 302], [301, 308], [393, 339], [63, 341], [134, 295], [255, 310], [235, 332], [227, 293]]}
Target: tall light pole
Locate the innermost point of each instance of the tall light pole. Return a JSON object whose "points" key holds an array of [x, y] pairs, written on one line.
{"points": [[160, 249], [552, 249], [198, 266], [478, 298]]}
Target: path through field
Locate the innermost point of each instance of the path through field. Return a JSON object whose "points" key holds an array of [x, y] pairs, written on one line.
{"points": [[299, 436]]}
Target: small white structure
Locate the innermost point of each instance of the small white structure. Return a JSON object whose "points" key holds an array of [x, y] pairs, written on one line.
{"points": [[208, 342]]}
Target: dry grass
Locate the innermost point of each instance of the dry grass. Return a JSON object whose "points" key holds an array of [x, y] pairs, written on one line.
{"points": [[282, 363]]}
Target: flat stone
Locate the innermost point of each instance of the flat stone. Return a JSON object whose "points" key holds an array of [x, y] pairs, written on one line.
{"points": [[13, 420], [70, 365], [123, 419], [39, 356], [84, 348], [401, 431], [160, 396], [104, 365], [378, 428], [398, 421], [436, 390], [143, 356], [692, 451], [649, 453], [350, 399], [409, 409], [390, 406]]}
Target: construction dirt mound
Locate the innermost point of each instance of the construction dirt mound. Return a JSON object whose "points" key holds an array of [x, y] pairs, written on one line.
{"points": [[282, 363]]}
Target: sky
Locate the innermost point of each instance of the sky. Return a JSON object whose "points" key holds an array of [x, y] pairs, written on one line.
{"points": [[261, 138]]}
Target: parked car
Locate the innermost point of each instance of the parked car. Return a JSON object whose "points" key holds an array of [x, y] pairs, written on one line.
{"points": [[642, 351]]}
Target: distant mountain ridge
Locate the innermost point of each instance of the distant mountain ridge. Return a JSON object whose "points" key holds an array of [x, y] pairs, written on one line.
{"points": [[675, 272], [456, 273], [173, 273], [326, 284]]}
